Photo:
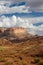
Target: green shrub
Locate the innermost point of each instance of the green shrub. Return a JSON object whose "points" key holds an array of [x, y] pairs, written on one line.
{"points": [[24, 62], [2, 60], [36, 60], [40, 62], [20, 58]]}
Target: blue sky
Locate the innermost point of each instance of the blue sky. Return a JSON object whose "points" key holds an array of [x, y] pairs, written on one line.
{"points": [[22, 13], [33, 14]]}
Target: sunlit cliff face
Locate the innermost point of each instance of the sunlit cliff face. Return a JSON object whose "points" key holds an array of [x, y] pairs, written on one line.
{"points": [[18, 33], [14, 30], [19, 30]]}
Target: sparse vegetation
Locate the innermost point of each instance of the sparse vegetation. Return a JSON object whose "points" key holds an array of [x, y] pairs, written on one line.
{"points": [[17, 51], [20, 58], [2, 59], [40, 62], [39, 59], [36, 60], [8, 63], [24, 62]]}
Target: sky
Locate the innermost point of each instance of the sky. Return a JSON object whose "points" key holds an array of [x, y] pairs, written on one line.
{"points": [[22, 13]]}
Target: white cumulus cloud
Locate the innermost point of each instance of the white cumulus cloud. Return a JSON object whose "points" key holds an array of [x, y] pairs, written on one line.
{"points": [[15, 9], [34, 5], [23, 22], [7, 22]]}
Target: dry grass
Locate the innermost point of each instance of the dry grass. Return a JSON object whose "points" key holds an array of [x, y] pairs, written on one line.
{"points": [[20, 53]]}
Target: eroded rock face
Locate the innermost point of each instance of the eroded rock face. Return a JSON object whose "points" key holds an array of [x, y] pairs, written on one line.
{"points": [[2, 30], [17, 32]]}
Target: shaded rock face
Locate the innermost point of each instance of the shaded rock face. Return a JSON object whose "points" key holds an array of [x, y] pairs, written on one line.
{"points": [[2, 30]]}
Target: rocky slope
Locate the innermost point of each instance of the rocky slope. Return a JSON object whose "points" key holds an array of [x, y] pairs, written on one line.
{"points": [[18, 35], [15, 33], [18, 47]]}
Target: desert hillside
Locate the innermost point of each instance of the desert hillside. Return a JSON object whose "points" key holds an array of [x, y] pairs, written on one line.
{"points": [[18, 47]]}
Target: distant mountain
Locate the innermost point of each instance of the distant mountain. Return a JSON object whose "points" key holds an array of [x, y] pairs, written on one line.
{"points": [[18, 34]]}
